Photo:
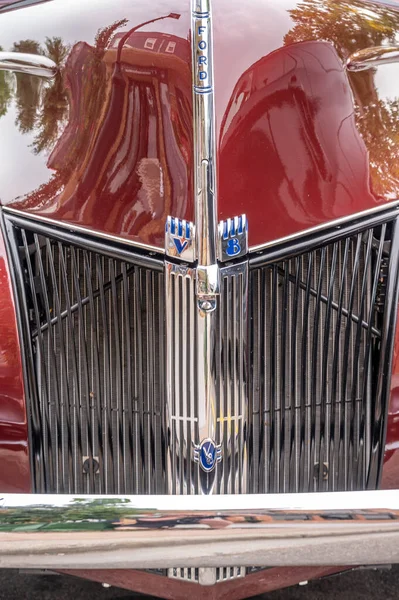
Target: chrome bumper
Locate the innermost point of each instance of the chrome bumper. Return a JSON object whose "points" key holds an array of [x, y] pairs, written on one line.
{"points": [[142, 532]]}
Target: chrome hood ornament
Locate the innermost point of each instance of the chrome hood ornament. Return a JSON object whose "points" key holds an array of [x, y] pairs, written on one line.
{"points": [[206, 360]]}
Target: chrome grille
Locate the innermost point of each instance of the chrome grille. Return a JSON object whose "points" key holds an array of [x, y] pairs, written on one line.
{"points": [[316, 332], [303, 350], [96, 327]]}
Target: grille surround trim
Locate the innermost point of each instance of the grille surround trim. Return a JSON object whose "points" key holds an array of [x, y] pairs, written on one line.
{"points": [[323, 237], [254, 251]]}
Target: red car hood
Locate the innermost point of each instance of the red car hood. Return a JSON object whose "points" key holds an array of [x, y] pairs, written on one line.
{"points": [[109, 146]]}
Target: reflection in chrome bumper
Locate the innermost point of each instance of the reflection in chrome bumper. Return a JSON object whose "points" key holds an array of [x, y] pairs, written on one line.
{"points": [[142, 532]]}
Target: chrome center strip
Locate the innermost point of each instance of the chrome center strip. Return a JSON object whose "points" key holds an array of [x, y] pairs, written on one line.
{"points": [[206, 320], [207, 394], [204, 134]]}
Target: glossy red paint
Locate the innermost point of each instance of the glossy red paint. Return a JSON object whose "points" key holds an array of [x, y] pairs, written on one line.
{"points": [[14, 456], [300, 142], [290, 154]]}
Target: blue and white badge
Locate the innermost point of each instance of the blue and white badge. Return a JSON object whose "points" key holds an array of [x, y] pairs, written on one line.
{"points": [[179, 239], [208, 454], [233, 238]]}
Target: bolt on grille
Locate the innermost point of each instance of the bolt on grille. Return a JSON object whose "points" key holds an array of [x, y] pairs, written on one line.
{"points": [[302, 410], [96, 327], [317, 328]]}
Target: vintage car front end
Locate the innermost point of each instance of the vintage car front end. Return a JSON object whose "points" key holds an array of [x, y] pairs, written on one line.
{"points": [[199, 290]]}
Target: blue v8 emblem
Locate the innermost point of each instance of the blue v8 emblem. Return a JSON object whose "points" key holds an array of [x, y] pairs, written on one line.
{"points": [[207, 454], [179, 239], [233, 238]]}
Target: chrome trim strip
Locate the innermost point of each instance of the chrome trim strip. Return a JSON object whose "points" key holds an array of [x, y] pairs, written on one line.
{"points": [[329, 224], [323, 504], [30, 64], [342, 528], [205, 188], [160, 250], [200, 385], [208, 378], [206, 300], [222, 384], [81, 229]]}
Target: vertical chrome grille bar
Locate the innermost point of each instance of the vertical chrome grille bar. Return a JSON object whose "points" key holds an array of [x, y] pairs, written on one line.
{"points": [[284, 375], [148, 416], [136, 321], [296, 426], [361, 372], [54, 381], [383, 377], [326, 401], [255, 366], [106, 384], [335, 439], [306, 381], [127, 382], [315, 449], [45, 465], [115, 342], [344, 381], [365, 420]]}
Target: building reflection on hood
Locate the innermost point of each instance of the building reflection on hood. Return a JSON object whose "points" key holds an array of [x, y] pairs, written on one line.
{"points": [[123, 161]]}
